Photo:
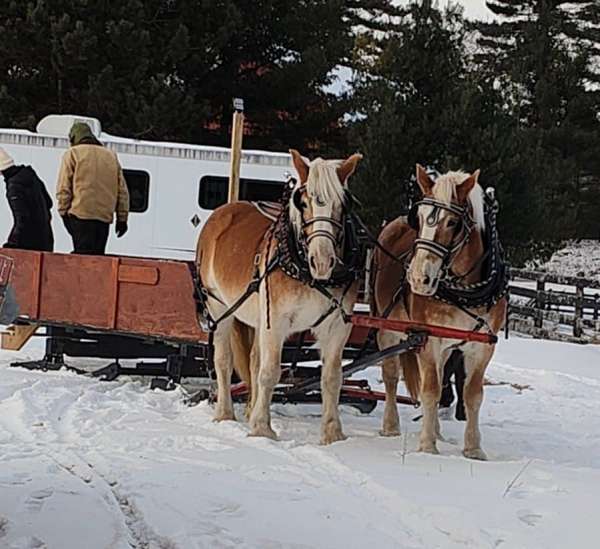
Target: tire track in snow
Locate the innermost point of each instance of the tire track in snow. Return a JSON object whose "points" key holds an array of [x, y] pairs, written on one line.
{"points": [[140, 533], [130, 523]]}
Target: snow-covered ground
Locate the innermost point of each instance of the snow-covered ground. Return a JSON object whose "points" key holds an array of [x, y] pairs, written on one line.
{"points": [[575, 259], [87, 465]]}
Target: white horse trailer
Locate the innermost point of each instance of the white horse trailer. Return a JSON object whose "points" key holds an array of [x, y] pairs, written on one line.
{"points": [[173, 186]]}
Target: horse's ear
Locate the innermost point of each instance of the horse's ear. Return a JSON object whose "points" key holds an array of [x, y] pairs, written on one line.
{"points": [[463, 190], [300, 165], [425, 182], [348, 167]]}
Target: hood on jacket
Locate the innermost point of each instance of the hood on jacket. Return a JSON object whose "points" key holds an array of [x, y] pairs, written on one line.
{"points": [[81, 134], [21, 175]]}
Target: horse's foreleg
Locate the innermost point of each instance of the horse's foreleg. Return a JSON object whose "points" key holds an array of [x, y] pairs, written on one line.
{"points": [[254, 369], [332, 339], [224, 368], [431, 390], [475, 365], [391, 376], [270, 343]]}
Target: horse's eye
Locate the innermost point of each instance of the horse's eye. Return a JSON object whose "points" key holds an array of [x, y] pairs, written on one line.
{"points": [[320, 202], [452, 223]]}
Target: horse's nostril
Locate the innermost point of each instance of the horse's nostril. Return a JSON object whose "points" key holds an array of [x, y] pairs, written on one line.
{"points": [[331, 262], [312, 262], [426, 279]]}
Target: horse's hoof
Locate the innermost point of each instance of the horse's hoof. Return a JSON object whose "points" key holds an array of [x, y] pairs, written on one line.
{"points": [[389, 432], [330, 438], [428, 449], [228, 416], [265, 432], [475, 453]]}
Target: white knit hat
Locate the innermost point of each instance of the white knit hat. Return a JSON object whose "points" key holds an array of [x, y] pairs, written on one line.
{"points": [[6, 160]]}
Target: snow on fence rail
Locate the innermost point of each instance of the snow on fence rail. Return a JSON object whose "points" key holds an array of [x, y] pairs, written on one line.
{"points": [[553, 306]]}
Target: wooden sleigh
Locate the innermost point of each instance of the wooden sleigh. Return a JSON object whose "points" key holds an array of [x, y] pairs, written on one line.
{"points": [[124, 308]]}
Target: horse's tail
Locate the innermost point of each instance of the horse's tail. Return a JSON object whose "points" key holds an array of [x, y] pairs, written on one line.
{"points": [[412, 378], [242, 339]]}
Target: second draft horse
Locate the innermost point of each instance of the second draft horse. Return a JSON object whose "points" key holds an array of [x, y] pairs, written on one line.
{"points": [[444, 240]]}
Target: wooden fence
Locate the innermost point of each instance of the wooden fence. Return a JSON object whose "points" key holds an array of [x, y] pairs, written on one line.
{"points": [[552, 306]]}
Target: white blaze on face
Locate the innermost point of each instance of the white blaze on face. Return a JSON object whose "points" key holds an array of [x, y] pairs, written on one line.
{"points": [[324, 182], [322, 255], [425, 267]]}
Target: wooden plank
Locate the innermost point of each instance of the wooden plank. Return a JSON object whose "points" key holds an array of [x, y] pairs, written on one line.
{"points": [[165, 310], [135, 274], [37, 284], [15, 337], [555, 278], [577, 326], [553, 316], [78, 290], [6, 266], [237, 136], [114, 284], [554, 297], [524, 327], [540, 301]]}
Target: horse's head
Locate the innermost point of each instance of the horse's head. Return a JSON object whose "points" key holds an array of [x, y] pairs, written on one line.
{"points": [[317, 209], [443, 218]]}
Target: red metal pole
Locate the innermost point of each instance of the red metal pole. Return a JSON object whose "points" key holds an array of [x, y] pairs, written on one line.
{"points": [[429, 329], [375, 395]]}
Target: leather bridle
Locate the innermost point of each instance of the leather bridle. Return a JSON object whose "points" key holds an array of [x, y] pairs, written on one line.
{"points": [[461, 237], [336, 236]]}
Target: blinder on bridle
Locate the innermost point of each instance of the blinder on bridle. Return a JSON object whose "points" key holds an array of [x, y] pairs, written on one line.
{"points": [[336, 239], [464, 226]]}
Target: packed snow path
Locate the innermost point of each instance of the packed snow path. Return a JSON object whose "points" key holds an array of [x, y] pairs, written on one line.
{"points": [[85, 464]]}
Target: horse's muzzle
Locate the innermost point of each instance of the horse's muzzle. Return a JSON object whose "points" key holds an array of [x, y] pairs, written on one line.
{"points": [[424, 277], [321, 266]]}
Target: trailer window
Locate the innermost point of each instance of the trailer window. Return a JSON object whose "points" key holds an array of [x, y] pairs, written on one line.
{"points": [[213, 190], [138, 184]]}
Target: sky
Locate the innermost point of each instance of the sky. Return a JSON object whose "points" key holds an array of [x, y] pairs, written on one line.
{"points": [[474, 9]]}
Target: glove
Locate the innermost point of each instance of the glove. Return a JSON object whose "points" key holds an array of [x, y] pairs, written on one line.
{"points": [[121, 228]]}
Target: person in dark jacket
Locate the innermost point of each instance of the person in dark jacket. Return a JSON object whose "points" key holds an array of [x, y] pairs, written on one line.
{"points": [[30, 204]]}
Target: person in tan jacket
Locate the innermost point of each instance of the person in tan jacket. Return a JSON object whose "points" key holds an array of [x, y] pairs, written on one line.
{"points": [[90, 190]]}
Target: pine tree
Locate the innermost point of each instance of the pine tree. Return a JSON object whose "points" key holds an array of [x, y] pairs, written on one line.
{"points": [[412, 91], [536, 54], [168, 69]]}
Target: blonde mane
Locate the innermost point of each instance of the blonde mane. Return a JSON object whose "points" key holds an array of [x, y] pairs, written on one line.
{"points": [[444, 190], [323, 182]]}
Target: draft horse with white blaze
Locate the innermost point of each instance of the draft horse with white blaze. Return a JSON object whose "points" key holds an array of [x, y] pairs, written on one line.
{"points": [[302, 282], [443, 266]]}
